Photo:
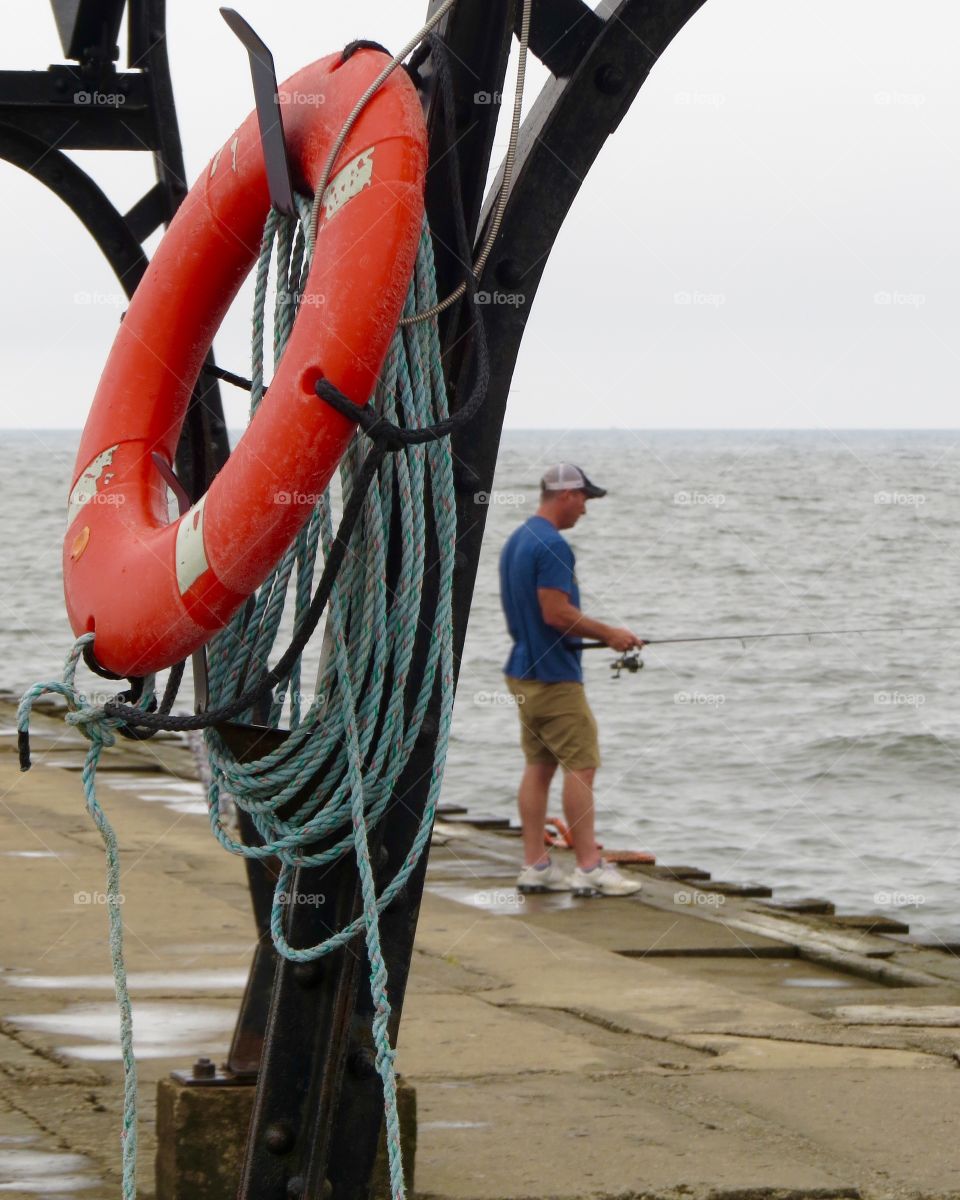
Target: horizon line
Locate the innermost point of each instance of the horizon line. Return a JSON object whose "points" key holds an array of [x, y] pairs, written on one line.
{"points": [[614, 429]]}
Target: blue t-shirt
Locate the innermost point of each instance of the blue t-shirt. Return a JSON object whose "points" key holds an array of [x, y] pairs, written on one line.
{"points": [[536, 556]]}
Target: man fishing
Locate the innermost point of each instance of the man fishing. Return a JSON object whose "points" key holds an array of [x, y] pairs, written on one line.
{"points": [[541, 603]]}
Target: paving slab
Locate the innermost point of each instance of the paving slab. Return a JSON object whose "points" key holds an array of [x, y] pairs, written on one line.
{"points": [[547, 968], [895, 1129], [570, 1135], [642, 928]]}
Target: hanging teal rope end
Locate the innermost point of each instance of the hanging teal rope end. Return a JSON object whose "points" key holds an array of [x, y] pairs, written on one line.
{"points": [[23, 748]]}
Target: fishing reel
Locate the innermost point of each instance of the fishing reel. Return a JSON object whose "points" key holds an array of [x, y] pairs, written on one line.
{"points": [[630, 661]]}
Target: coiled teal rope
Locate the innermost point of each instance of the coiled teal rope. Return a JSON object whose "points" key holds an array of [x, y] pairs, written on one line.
{"points": [[356, 723], [362, 721]]}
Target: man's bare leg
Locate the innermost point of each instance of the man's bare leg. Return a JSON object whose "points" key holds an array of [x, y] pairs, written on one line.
{"points": [[532, 802], [578, 808]]}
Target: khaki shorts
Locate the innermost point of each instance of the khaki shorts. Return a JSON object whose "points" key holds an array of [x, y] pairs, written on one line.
{"points": [[556, 724]]}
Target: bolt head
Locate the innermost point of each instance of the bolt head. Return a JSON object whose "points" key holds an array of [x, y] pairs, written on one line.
{"points": [[204, 1068]]}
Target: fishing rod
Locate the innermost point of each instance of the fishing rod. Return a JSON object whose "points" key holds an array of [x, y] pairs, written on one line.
{"points": [[631, 661]]}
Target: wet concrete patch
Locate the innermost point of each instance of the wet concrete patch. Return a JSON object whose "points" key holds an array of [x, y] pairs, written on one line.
{"points": [[807, 981], [31, 854], [25, 1169], [218, 980], [501, 901], [159, 1030], [182, 796]]}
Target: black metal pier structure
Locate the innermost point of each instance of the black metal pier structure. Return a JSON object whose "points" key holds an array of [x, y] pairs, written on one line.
{"points": [[304, 1030], [86, 103]]}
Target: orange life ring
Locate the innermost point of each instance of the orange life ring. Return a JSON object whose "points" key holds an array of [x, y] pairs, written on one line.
{"points": [[560, 834], [153, 591]]}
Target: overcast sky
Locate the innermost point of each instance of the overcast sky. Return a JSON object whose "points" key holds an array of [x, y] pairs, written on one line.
{"points": [[770, 239]]}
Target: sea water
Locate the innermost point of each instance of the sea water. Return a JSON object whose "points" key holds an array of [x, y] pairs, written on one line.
{"points": [[822, 767]]}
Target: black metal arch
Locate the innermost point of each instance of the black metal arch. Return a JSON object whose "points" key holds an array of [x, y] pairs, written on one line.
{"points": [[559, 142], [44, 113], [80, 193]]}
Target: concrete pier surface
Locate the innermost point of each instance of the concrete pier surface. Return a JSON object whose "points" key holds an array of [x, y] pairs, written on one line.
{"points": [[689, 1043]]}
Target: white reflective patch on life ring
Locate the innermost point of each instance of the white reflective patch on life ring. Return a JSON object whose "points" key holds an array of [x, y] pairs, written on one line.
{"points": [[191, 554], [348, 182], [85, 488]]}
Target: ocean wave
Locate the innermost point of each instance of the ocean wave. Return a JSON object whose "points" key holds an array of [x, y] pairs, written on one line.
{"points": [[926, 747]]}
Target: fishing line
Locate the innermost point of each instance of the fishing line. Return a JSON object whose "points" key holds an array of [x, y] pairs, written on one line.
{"points": [[754, 637]]}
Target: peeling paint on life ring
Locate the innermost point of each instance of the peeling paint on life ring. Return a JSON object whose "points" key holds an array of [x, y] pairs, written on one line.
{"points": [[191, 553], [86, 486]]}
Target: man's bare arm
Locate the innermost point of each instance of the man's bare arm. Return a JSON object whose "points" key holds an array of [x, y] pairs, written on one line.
{"points": [[562, 615]]}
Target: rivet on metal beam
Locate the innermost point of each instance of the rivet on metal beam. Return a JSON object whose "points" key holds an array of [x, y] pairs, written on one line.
{"points": [[610, 79], [308, 974], [509, 273], [279, 1137], [362, 1062]]}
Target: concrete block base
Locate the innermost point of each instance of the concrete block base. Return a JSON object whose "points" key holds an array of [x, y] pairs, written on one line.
{"points": [[202, 1131]]}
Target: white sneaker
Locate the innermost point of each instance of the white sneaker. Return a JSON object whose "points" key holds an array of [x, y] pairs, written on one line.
{"points": [[603, 880], [550, 878]]}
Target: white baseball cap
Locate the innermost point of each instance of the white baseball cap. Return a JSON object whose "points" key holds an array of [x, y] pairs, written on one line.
{"points": [[565, 477]]}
